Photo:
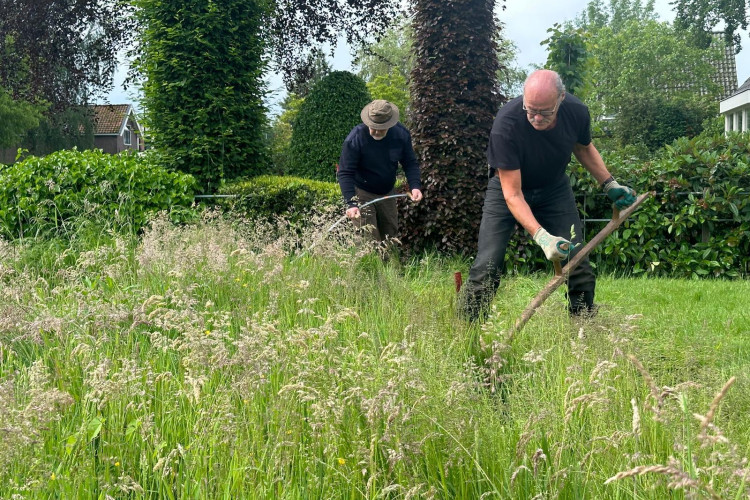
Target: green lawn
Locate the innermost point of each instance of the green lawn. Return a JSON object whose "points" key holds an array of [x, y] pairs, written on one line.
{"points": [[206, 363]]}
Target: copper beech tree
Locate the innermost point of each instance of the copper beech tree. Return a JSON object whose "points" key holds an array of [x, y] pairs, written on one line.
{"points": [[454, 101], [59, 51]]}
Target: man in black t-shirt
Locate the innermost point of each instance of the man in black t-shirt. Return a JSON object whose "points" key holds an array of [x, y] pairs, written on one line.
{"points": [[367, 168], [531, 141]]}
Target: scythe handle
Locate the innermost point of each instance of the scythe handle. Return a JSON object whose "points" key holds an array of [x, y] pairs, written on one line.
{"points": [[618, 217]]}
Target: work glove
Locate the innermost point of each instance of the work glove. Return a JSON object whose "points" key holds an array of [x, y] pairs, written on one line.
{"points": [[622, 196], [555, 248]]}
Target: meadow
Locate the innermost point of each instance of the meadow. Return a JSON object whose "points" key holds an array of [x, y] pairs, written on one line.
{"points": [[209, 361]]}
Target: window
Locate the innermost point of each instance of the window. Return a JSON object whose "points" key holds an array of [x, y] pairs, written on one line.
{"points": [[126, 137]]}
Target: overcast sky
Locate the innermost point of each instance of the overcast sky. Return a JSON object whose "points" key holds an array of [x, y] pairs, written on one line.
{"points": [[526, 23]]}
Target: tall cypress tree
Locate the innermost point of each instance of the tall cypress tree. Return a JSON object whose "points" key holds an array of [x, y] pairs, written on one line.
{"points": [[454, 98]]}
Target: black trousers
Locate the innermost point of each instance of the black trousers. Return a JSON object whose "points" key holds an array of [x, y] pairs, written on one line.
{"points": [[555, 209]]}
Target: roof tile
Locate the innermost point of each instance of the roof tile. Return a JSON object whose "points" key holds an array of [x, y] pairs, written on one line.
{"points": [[108, 118]]}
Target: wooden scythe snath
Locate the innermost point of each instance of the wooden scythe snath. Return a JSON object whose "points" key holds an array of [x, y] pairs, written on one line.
{"points": [[618, 217]]}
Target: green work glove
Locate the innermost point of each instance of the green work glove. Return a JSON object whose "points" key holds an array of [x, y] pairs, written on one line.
{"points": [[555, 248], [622, 196]]}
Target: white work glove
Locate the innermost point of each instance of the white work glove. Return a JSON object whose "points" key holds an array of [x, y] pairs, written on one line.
{"points": [[555, 247]]}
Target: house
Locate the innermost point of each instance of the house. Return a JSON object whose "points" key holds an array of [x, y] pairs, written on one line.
{"points": [[726, 67], [736, 109], [116, 128]]}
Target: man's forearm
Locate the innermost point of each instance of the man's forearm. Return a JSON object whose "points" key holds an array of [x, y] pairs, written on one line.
{"points": [[522, 213], [592, 161]]}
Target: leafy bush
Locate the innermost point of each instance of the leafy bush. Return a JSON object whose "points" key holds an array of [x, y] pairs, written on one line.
{"points": [[699, 222], [655, 122], [51, 195], [697, 225], [325, 118], [293, 198]]}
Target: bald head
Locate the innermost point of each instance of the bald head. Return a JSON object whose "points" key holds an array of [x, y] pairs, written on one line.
{"points": [[543, 92], [543, 83]]}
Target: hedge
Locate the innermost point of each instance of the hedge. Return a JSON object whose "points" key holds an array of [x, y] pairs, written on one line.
{"points": [[697, 225], [325, 118], [269, 197], [55, 194]]}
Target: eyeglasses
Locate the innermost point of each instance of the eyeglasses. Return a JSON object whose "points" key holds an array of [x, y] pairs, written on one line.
{"points": [[544, 112]]}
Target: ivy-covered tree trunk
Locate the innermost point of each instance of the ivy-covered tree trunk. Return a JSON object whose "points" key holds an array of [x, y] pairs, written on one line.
{"points": [[203, 65], [454, 99]]}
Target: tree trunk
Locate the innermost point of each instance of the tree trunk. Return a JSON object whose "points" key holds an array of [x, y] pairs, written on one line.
{"points": [[454, 99]]}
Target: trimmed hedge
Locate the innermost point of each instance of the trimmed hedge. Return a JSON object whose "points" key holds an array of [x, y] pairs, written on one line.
{"points": [[325, 118], [52, 195], [698, 225], [293, 198], [202, 65]]}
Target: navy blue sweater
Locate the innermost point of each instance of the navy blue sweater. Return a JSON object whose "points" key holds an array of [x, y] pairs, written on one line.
{"points": [[371, 165]]}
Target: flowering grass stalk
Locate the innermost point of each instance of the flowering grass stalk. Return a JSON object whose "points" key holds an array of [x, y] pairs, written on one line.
{"points": [[213, 361]]}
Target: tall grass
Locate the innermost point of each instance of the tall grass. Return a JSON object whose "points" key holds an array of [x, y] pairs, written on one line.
{"points": [[207, 361]]}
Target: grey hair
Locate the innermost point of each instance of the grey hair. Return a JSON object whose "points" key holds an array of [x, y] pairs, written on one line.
{"points": [[559, 85]]}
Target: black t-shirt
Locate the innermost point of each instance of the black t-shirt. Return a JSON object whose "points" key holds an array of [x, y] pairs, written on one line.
{"points": [[542, 155]]}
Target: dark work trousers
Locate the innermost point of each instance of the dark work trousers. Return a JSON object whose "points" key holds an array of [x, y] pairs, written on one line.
{"points": [[555, 209], [382, 216]]}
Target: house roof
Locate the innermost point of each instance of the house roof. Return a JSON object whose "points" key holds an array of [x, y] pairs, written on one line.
{"points": [[726, 66], [111, 119], [743, 88]]}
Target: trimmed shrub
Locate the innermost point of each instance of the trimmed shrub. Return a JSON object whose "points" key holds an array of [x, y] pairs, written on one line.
{"points": [[203, 90], [51, 196], [325, 118], [292, 198]]}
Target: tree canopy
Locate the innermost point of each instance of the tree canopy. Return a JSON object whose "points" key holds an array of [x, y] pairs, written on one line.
{"points": [[654, 80], [59, 51], [701, 17], [297, 26], [16, 118], [568, 55]]}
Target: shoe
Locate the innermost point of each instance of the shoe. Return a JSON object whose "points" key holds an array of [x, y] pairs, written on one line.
{"points": [[586, 312], [581, 305]]}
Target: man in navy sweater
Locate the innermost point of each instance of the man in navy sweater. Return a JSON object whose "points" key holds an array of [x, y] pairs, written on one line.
{"points": [[367, 168]]}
